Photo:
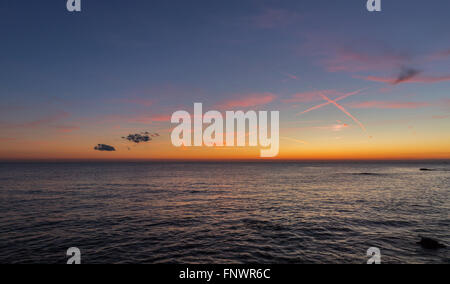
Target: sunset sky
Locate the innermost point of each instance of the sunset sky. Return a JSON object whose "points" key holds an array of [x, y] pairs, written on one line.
{"points": [[70, 81]]}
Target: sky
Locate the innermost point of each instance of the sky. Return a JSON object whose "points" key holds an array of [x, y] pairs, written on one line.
{"points": [[349, 84]]}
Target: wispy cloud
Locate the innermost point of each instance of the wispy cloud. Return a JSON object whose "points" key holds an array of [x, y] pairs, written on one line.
{"points": [[289, 77], [439, 55], [440, 116], [388, 105], [405, 75], [161, 118], [444, 103], [249, 100], [334, 127], [348, 60], [66, 128], [150, 118], [414, 79], [44, 121]]}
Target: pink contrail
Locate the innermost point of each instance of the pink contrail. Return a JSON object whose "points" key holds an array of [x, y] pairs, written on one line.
{"points": [[344, 110], [336, 100], [294, 140]]}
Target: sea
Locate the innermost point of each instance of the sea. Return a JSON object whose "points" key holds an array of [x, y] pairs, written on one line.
{"points": [[224, 212]]}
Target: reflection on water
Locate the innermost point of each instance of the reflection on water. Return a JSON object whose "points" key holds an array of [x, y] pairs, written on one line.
{"points": [[222, 212]]}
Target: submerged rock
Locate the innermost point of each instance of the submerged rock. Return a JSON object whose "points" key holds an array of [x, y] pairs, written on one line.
{"points": [[430, 243], [368, 174]]}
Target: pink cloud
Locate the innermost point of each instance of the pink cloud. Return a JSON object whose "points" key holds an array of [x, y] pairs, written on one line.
{"points": [[289, 77], [336, 55], [440, 116], [334, 127], [149, 119], [45, 120], [388, 105], [353, 61], [440, 55], [133, 118], [250, 100], [161, 118], [66, 128], [338, 126], [444, 103]]}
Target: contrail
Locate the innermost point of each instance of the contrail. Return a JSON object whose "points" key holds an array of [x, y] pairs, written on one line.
{"points": [[336, 100], [294, 140], [344, 110]]}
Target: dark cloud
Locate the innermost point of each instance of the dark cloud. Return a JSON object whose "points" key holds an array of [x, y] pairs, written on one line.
{"points": [[406, 74], [141, 137], [103, 147], [138, 138]]}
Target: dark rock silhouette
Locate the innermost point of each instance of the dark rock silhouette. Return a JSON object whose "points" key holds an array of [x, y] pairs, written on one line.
{"points": [[425, 169], [430, 243]]}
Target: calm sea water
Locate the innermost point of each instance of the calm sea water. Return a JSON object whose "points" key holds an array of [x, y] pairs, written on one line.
{"points": [[223, 212]]}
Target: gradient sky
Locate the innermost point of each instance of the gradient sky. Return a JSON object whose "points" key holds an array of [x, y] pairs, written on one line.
{"points": [[69, 81]]}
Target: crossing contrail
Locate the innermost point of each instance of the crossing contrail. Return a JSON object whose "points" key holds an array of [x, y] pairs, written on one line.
{"points": [[336, 100], [344, 111]]}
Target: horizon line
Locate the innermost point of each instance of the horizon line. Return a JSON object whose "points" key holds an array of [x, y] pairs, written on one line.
{"points": [[62, 160]]}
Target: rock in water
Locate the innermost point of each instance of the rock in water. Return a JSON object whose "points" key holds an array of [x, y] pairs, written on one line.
{"points": [[430, 243]]}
